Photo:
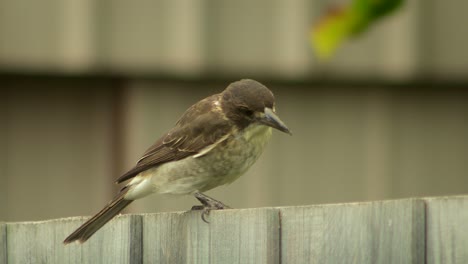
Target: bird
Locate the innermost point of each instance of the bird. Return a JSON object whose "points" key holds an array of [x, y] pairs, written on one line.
{"points": [[214, 142]]}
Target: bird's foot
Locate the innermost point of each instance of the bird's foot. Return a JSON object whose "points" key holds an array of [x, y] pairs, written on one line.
{"points": [[208, 204]]}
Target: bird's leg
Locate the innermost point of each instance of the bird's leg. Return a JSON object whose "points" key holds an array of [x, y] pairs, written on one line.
{"points": [[208, 204]]}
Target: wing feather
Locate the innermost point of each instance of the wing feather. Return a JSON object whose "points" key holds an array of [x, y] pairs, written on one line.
{"points": [[199, 129]]}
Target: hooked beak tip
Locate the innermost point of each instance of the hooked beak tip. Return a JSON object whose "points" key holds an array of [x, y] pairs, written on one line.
{"points": [[272, 120]]}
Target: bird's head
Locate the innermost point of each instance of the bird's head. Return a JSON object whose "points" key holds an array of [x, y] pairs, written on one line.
{"points": [[247, 102]]}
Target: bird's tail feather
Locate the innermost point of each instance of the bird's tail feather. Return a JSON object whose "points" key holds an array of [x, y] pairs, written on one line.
{"points": [[85, 231]]}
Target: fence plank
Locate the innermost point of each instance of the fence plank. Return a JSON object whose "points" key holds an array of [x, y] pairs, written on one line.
{"points": [[175, 238], [245, 236], [378, 232], [41, 242], [400, 231], [447, 229], [3, 243], [232, 236]]}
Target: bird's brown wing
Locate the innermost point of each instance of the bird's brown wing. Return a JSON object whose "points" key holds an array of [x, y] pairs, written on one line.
{"points": [[201, 127]]}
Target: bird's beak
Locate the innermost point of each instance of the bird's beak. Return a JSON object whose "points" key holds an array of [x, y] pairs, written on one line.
{"points": [[272, 120]]}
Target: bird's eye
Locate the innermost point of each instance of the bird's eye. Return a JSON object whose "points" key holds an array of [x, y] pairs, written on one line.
{"points": [[246, 111]]}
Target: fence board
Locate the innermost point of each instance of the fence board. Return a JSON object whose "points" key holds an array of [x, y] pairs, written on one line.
{"points": [[41, 242], [447, 230], [399, 231], [175, 238], [232, 236], [245, 236], [3, 243], [378, 232]]}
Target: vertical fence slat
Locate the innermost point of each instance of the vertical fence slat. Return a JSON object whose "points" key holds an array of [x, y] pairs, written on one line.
{"points": [[232, 236], [447, 229], [3, 243], [175, 238], [41, 242], [245, 236], [378, 232], [399, 231]]}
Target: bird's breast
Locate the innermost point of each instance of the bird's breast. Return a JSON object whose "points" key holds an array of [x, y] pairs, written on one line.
{"points": [[221, 165], [239, 153]]}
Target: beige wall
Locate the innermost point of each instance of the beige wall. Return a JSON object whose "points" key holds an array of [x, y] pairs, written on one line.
{"points": [[244, 37], [56, 143]]}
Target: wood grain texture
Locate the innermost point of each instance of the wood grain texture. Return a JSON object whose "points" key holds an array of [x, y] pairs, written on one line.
{"points": [[398, 231], [447, 229], [3, 243], [378, 232], [175, 238], [232, 236], [41, 242], [245, 236]]}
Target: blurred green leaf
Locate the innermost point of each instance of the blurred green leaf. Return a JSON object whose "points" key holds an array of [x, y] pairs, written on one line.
{"points": [[340, 23]]}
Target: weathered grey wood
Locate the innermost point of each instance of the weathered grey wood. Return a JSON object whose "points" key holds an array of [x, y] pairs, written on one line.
{"points": [[245, 236], [377, 232], [175, 238], [3, 243], [41, 242], [399, 231], [447, 229], [232, 236]]}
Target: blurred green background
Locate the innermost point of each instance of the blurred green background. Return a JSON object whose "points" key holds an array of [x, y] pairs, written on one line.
{"points": [[87, 86]]}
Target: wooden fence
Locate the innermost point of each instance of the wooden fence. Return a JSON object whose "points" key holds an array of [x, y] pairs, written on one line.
{"points": [[427, 230]]}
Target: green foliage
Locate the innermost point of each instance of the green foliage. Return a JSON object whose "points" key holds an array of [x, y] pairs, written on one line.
{"points": [[341, 23]]}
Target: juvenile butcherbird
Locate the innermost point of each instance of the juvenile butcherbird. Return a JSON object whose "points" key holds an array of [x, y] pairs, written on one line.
{"points": [[214, 142]]}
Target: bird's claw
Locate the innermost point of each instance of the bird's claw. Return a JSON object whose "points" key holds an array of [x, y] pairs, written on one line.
{"points": [[208, 205], [197, 207], [205, 212]]}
